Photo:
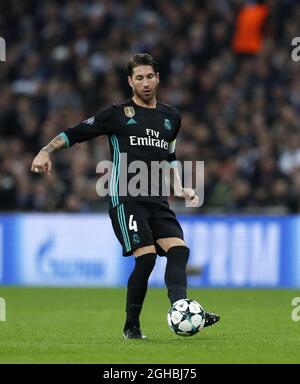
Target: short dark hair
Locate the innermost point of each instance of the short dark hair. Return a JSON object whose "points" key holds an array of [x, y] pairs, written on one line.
{"points": [[141, 59]]}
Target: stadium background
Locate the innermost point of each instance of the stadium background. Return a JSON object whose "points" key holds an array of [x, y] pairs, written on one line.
{"points": [[225, 64]]}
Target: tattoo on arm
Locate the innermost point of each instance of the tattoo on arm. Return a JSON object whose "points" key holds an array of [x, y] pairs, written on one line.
{"points": [[59, 142]]}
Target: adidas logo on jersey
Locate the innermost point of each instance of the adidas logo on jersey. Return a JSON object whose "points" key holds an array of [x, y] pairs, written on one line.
{"points": [[131, 121]]}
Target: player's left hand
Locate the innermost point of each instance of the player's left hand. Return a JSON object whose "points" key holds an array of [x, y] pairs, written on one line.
{"points": [[190, 195]]}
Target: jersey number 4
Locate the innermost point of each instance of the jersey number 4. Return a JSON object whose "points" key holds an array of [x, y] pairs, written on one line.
{"points": [[132, 224]]}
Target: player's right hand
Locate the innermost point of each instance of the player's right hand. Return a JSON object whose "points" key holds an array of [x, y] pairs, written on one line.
{"points": [[190, 195], [42, 163]]}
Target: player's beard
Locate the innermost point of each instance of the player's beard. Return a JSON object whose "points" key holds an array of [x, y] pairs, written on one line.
{"points": [[146, 97]]}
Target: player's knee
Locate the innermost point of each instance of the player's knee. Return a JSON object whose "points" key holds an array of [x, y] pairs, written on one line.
{"points": [[144, 250], [166, 243], [179, 253]]}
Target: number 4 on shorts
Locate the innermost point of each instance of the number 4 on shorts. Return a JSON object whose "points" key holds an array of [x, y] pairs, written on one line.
{"points": [[132, 224]]}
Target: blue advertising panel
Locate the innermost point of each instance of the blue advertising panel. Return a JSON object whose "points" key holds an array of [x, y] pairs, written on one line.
{"points": [[81, 250], [59, 250], [242, 251]]}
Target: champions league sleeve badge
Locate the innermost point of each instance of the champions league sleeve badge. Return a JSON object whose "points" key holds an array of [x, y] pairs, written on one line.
{"points": [[89, 121]]}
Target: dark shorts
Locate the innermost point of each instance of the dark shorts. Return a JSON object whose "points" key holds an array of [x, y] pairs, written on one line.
{"points": [[139, 224]]}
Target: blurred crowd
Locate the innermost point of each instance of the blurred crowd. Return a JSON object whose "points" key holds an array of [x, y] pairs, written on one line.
{"points": [[65, 61]]}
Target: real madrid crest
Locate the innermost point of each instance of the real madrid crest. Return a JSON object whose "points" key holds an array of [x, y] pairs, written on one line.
{"points": [[129, 112], [167, 124]]}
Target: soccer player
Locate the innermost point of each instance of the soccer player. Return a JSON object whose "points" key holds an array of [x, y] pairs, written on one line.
{"points": [[145, 129]]}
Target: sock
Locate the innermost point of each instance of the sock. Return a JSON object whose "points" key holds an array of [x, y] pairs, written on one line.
{"points": [[137, 288], [175, 275]]}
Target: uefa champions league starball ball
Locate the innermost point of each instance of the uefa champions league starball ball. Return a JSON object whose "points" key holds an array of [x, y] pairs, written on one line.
{"points": [[186, 317]]}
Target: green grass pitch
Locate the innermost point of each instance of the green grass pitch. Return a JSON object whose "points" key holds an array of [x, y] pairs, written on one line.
{"points": [[84, 325]]}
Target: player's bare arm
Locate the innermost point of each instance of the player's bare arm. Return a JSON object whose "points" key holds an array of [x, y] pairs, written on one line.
{"points": [[180, 191], [42, 162]]}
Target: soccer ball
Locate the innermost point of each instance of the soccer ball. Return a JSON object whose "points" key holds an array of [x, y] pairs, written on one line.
{"points": [[186, 317]]}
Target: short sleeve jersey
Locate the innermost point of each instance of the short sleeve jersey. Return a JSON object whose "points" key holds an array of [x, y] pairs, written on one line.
{"points": [[136, 134]]}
